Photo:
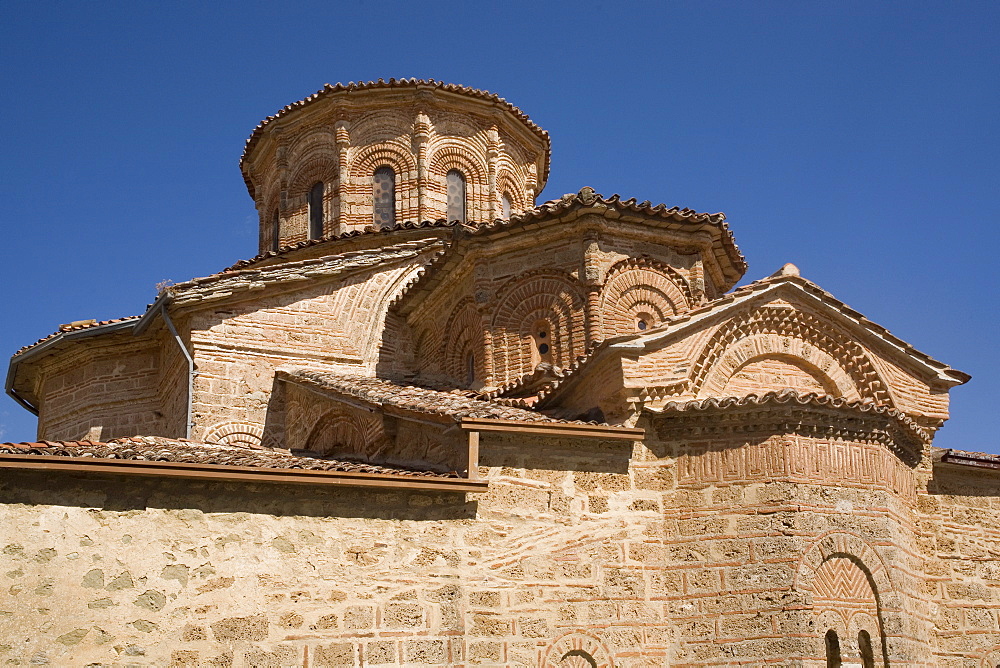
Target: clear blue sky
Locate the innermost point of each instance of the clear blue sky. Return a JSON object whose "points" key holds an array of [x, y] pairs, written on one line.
{"points": [[856, 139]]}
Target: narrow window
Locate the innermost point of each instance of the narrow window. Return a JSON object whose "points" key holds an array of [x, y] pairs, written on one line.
{"points": [[832, 649], [316, 210], [542, 340], [865, 647], [470, 370], [384, 196], [505, 205], [275, 232], [456, 196]]}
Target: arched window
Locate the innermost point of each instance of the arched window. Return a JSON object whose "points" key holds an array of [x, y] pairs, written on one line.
{"points": [[456, 196], [832, 649], [316, 210], [865, 647], [384, 196], [505, 205], [275, 232]]}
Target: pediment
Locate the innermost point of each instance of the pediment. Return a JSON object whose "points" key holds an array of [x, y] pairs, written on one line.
{"points": [[780, 334]]}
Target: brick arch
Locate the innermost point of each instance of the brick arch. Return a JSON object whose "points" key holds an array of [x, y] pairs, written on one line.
{"points": [[577, 649], [316, 164], [729, 376], [990, 658], [789, 331], [464, 336], [641, 285], [451, 154], [842, 573], [344, 433], [236, 433], [547, 295], [371, 157], [507, 182]]}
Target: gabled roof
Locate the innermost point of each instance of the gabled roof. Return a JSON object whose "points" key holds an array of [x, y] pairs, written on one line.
{"points": [[570, 207], [329, 90], [678, 326]]}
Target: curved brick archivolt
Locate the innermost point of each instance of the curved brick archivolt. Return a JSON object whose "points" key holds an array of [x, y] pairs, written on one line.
{"points": [[461, 352], [577, 650], [640, 294], [235, 433], [341, 432], [781, 333], [754, 365], [551, 298], [850, 592]]}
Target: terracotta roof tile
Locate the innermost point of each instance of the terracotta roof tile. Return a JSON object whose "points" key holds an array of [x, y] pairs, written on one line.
{"points": [[791, 397], [369, 230], [65, 329], [380, 392], [156, 448]]}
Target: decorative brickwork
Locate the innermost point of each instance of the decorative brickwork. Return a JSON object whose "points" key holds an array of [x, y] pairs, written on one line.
{"points": [[526, 436]]}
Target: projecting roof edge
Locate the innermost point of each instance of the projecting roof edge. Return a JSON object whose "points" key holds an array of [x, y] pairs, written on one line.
{"points": [[435, 404], [585, 201], [172, 458], [788, 397]]}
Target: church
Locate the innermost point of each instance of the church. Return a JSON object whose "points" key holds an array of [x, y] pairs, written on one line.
{"points": [[434, 423]]}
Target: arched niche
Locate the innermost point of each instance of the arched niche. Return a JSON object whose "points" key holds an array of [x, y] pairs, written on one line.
{"points": [[766, 362], [549, 297], [640, 294], [830, 355]]}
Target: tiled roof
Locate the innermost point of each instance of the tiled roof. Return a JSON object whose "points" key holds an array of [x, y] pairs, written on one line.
{"points": [[983, 460], [159, 449], [377, 391], [586, 199], [368, 230], [334, 89], [87, 325]]}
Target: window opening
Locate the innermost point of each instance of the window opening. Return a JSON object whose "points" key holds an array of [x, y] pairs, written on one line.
{"points": [[865, 647], [505, 205], [384, 196], [832, 650], [456, 195], [316, 210], [541, 340], [275, 232], [470, 370]]}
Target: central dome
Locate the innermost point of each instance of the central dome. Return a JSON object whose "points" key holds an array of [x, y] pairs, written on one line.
{"points": [[381, 153]]}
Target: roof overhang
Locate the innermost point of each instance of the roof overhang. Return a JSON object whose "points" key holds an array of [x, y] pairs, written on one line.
{"points": [[228, 473]]}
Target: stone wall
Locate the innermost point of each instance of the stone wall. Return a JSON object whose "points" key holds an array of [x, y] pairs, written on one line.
{"points": [[958, 529], [563, 554], [736, 551]]}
